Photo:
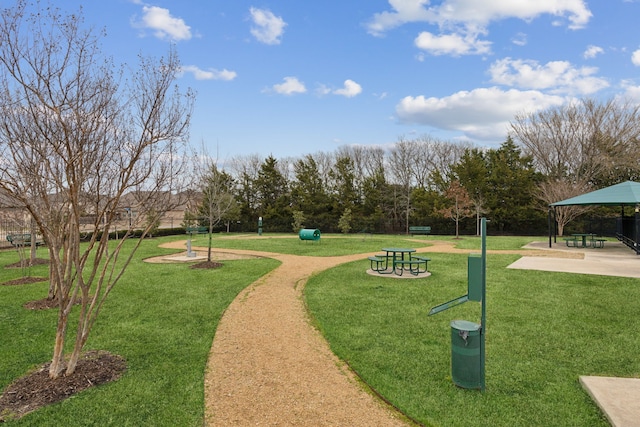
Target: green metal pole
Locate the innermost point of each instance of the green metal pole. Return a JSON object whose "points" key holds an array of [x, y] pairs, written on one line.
{"points": [[483, 321]]}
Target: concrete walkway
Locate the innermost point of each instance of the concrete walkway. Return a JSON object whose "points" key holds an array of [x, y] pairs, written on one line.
{"points": [[615, 259], [618, 398]]}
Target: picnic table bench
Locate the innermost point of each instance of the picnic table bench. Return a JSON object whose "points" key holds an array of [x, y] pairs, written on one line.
{"points": [[413, 263], [419, 229], [197, 230], [584, 240], [378, 262], [22, 239]]}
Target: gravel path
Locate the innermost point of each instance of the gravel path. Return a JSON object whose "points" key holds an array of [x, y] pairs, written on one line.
{"points": [[269, 366]]}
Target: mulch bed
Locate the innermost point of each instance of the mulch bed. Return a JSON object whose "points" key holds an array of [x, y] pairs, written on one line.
{"points": [[24, 281], [27, 279], [206, 264], [42, 304], [36, 261], [36, 389]]}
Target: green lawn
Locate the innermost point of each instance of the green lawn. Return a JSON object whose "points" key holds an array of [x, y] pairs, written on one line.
{"points": [[544, 330], [161, 318], [340, 244]]}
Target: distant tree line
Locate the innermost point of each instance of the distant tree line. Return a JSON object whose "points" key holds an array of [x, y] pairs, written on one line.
{"points": [[548, 156]]}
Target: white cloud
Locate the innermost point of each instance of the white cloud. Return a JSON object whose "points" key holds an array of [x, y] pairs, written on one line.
{"points": [[267, 28], [466, 11], [349, 90], [557, 76], [323, 90], [631, 91], [290, 86], [592, 51], [210, 74], [451, 44], [519, 39], [483, 113], [635, 58], [163, 24], [471, 14], [403, 11]]}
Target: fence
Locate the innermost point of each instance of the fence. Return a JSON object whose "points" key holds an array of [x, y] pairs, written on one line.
{"points": [[12, 226]]}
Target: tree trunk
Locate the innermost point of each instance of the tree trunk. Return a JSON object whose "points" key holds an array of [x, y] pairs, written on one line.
{"points": [[53, 280], [210, 241], [57, 361], [33, 231]]}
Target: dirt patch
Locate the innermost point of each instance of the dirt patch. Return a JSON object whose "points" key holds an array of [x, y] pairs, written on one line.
{"points": [[206, 265], [36, 261], [42, 304], [36, 389], [27, 279], [24, 281], [199, 256]]}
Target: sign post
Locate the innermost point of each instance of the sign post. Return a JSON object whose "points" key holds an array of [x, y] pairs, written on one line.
{"points": [[467, 338]]}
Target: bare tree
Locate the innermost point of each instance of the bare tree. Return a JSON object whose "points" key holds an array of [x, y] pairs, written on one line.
{"points": [[582, 141], [444, 156], [218, 202], [461, 205], [367, 162], [579, 146], [551, 191], [401, 161], [325, 161], [75, 137]]}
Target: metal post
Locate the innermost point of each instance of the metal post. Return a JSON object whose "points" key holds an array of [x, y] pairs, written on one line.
{"points": [[549, 224], [483, 321], [637, 230], [260, 226]]}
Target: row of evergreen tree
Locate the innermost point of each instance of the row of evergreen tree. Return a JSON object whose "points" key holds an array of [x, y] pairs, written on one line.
{"points": [[368, 189]]}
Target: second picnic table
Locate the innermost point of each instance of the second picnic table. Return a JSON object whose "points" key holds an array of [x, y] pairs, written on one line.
{"points": [[584, 238]]}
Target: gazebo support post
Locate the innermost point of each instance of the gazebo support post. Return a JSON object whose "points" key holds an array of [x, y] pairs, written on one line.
{"points": [[549, 224], [637, 229]]}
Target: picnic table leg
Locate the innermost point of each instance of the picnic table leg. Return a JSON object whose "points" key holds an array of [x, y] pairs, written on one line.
{"points": [[386, 266]]}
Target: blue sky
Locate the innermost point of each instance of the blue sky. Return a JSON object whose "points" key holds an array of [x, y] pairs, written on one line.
{"points": [[294, 77]]}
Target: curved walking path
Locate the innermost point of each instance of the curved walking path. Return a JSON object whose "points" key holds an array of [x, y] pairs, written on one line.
{"points": [[269, 366]]}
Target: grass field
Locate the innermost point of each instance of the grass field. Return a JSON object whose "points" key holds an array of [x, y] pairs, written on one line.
{"points": [[543, 331]]}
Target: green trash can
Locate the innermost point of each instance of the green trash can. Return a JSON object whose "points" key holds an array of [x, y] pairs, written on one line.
{"points": [[465, 354]]}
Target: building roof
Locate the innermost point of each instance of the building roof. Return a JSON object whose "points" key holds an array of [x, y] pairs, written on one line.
{"points": [[625, 193]]}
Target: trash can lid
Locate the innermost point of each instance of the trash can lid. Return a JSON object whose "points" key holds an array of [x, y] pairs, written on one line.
{"points": [[465, 325]]}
